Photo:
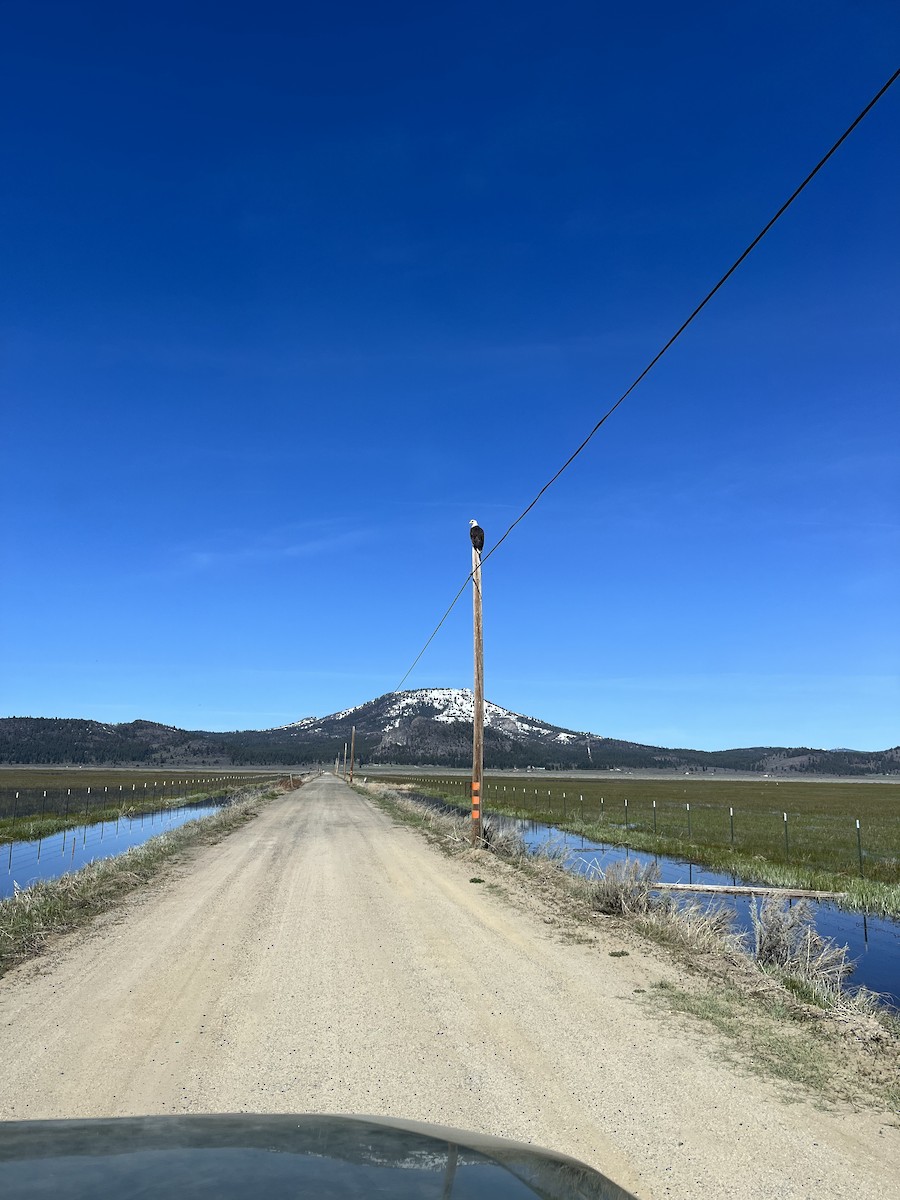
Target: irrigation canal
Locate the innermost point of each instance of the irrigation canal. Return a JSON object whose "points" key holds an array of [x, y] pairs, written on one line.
{"points": [[25, 863], [873, 942]]}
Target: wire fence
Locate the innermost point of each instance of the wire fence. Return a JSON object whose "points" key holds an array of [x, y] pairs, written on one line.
{"points": [[70, 796], [861, 839]]}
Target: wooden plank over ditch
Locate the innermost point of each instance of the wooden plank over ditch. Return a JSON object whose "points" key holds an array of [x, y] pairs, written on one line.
{"points": [[728, 890]]}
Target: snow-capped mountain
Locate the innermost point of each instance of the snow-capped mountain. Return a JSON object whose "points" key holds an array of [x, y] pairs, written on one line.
{"points": [[435, 725], [447, 705]]}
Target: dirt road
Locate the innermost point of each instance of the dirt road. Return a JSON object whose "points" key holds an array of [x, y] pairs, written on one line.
{"points": [[323, 959]]}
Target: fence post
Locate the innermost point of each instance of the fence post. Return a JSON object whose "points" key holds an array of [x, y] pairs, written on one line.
{"points": [[66, 818], [41, 834], [626, 813], [731, 818], [690, 834], [786, 846], [859, 847], [654, 818]]}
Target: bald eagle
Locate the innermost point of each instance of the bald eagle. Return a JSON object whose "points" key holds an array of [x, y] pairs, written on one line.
{"points": [[476, 533]]}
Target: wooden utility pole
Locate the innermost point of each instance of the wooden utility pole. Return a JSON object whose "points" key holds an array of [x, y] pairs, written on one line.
{"points": [[352, 749], [344, 771], [478, 713]]}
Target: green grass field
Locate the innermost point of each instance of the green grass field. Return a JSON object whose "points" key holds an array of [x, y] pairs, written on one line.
{"points": [[716, 821]]}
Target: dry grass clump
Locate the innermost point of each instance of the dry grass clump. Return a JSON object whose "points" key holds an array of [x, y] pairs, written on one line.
{"points": [[625, 889], [813, 967], [692, 925], [785, 937], [502, 838]]}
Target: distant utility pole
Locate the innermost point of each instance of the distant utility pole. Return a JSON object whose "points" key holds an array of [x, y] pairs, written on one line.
{"points": [[344, 772], [477, 535], [352, 749]]}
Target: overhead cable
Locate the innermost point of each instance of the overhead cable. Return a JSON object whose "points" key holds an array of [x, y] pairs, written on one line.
{"points": [[650, 365]]}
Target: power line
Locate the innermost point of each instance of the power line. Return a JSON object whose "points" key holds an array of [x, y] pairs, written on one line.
{"points": [[649, 367], [434, 631]]}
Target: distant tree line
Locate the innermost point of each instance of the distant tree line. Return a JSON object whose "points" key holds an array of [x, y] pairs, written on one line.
{"points": [[422, 741]]}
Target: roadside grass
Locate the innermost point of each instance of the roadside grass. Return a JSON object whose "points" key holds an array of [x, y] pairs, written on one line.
{"points": [[777, 1050], [451, 828], [818, 861], [763, 1034], [780, 1003], [34, 915]]}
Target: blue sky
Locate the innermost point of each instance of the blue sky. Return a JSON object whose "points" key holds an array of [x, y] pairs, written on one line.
{"points": [[290, 294]]}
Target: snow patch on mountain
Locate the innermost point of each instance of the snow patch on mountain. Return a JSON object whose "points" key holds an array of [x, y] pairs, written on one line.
{"points": [[392, 716], [447, 705]]}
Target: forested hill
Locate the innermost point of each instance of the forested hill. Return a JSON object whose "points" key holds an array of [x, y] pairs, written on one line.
{"points": [[41, 740], [419, 728]]}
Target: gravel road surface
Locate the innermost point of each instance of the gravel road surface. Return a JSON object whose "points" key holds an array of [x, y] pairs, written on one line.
{"points": [[325, 959]]}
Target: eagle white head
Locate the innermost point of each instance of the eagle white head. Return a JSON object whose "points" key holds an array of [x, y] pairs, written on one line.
{"points": [[472, 524]]}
